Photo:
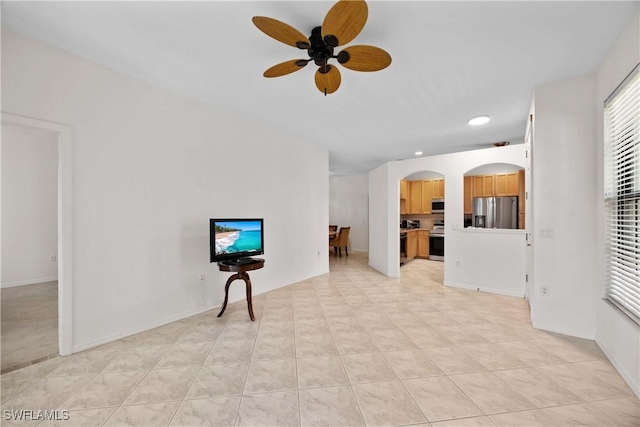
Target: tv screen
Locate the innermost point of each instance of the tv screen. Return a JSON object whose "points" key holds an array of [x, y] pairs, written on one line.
{"points": [[232, 239]]}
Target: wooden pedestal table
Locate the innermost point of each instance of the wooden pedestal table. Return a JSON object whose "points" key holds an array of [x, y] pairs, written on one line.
{"points": [[241, 273]]}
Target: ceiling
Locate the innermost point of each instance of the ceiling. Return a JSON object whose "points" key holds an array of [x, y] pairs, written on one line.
{"points": [[452, 60]]}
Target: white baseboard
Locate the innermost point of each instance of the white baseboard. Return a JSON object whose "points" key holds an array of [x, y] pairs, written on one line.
{"points": [[29, 282], [633, 385], [144, 328], [485, 289], [570, 332], [152, 325]]}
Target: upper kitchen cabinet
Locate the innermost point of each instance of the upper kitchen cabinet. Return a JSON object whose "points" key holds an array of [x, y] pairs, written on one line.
{"points": [[403, 197], [419, 197], [415, 197], [437, 189], [427, 195], [483, 185], [421, 188], [468, 195], [506, 184]]}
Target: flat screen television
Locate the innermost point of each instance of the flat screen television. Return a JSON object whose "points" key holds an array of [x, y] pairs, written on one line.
{"points": [[236, 239]]}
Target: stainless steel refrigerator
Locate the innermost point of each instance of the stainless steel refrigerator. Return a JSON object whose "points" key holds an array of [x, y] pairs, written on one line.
{"points": [[495, 212]]}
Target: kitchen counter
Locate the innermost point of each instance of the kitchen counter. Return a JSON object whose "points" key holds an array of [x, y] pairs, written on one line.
{"points": [[493, 230]]}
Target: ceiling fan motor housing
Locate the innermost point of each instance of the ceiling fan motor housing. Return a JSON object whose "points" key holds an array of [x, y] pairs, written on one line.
{"points": [[319, 50]]}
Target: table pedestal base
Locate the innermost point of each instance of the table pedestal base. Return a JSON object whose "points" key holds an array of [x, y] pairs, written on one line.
{"points": [[240, 270], [244, 276]]}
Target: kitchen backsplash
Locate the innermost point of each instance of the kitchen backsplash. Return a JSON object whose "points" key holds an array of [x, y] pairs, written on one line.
{"points": [[426, 221]]}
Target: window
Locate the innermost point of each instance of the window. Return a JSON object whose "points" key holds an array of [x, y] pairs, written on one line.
{"points": [[622, 195]]}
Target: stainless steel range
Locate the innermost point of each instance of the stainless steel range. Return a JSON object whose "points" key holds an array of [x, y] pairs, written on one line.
{"points": [[436, 241]]}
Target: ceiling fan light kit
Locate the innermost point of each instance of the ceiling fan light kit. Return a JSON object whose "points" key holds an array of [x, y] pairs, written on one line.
{"points": [[342, 24]]}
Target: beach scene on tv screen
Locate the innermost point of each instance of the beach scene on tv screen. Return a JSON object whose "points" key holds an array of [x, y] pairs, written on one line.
{"points": [[237, 236]]}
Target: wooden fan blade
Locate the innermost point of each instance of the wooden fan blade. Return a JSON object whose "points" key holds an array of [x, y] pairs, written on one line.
{"points": [[285, 68], [328, 82], [280, 31], [366, 58], [345, 20]]}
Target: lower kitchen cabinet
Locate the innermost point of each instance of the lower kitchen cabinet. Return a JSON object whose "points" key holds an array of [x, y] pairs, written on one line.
{"points": [[412, 244], [423, 244]]}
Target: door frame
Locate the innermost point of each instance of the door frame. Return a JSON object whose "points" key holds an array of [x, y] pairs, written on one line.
{"points": [[65, 222], [528, 208]]}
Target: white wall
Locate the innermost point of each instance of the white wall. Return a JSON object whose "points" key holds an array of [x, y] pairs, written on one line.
{"points": [[490, 260], [563, 197], [29, 206], [494, 169], [568, 149], [504, 273], [616, 334], [381, 236], [150, 168], [349, 207]]}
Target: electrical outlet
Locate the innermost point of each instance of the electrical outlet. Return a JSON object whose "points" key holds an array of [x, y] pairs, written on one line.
{"points": [[457, 263], [54, 258], [546, 233], [545, 291], [202, 278]]}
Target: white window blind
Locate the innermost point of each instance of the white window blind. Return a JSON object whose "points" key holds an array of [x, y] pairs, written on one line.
{"points": [[622, 195]]}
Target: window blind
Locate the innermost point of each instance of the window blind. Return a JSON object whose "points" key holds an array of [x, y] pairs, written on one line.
{"points": [[622, 195]]}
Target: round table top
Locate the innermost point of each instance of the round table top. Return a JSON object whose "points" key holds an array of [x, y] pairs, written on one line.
{"points": [[229, 266]]}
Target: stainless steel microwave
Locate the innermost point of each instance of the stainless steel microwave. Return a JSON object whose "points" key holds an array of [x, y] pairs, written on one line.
{"points": [[437, 206]]}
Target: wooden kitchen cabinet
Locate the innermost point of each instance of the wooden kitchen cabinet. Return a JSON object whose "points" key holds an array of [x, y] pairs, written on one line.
{"points": [[403, 197], [420, 194], [468, 195], [412, 245], [403, 189], [414, 202], [437, 188], [426, 197], [423, 244], [483, 185], [506, 184]]}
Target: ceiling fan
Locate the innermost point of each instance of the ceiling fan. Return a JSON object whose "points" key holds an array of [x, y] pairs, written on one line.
{"points": [[343, 23]]}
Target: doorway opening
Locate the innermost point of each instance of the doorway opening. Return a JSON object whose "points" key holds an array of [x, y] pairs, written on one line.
{"points": [[422, 207], [37, 241]]}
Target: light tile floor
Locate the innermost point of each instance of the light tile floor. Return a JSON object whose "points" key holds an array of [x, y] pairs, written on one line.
{"points": [[346, 349], [29, 319]]}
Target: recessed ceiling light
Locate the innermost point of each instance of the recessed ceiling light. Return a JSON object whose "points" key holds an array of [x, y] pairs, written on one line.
{"points": [[418, 153], [479, 120]]}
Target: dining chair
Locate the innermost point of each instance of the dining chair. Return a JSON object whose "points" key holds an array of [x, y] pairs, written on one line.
{"points": [[341, 241], [333, 228]]}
